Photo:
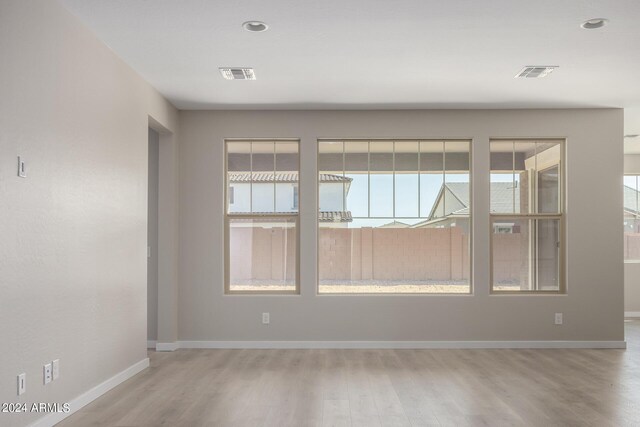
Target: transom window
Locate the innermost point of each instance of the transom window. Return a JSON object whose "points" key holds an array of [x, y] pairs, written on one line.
{"points": [[394, 216]]}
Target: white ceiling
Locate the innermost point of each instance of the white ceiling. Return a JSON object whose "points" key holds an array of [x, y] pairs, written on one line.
{"points": [[377, 53]]}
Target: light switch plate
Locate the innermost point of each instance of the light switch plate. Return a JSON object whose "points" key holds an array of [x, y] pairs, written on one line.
{"points": [[265, 318], [22, 172], [22, 383], [46, 373]]}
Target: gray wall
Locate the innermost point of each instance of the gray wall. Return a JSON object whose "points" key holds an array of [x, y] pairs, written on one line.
{"points": [[74, 233], [593, 307], [152, 237]]}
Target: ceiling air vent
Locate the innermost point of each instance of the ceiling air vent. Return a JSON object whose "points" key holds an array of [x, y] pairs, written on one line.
{"points": [[535, 72], [238, 73]]}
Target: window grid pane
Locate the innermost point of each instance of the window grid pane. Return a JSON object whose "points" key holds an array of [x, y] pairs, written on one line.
{"points": [[526, 237], [391, 236], [261, 216], [263, 254], [526, 253], [631, 222]]}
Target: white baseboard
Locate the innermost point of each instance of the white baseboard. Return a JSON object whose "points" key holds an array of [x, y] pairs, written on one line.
{"points": [[167, 346], [151, 344], [91, 395], [398, 344], [632, 314]]}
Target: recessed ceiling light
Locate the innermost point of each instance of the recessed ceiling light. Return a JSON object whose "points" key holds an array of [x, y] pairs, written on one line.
{"points": [[255, 26], [594, 24]]}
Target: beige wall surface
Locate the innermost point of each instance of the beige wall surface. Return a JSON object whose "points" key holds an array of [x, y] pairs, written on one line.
{"points": [[632, 269], [593, 307], [74, 232], [632, 164]]}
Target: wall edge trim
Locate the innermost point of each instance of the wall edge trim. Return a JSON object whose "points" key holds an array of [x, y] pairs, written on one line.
{"points": [[398, 344], [167, 346]]}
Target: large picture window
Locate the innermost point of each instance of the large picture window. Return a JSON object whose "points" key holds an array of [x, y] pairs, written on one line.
{"points": [[261, 216], [394, 216], [527, 215], [631, 220]]}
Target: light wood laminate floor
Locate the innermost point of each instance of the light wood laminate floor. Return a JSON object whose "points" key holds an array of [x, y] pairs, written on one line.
{"points": [[378, 388]]}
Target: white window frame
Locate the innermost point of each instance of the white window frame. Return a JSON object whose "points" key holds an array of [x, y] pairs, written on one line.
{"points": [[228, 216], [419, 141], [497, 218], [636, 216]]}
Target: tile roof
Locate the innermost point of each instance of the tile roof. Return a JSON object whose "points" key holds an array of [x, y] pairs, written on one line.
{"points": [[281, 177], [335, 216], [326, 216], [502, 194]]}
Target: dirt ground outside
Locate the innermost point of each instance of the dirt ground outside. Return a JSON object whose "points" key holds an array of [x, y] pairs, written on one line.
{"points": [[362, 287]]}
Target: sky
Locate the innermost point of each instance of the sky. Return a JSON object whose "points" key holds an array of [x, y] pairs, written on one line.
{"points": [[406, 196]]}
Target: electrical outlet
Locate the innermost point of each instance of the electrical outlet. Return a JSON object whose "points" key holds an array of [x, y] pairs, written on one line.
{"points": [[265, 318], [22, 383], [558, 318], [56, 369], [46, 373]]}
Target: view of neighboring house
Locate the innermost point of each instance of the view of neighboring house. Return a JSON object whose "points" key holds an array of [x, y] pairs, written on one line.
{"points": [[261, 192], [451, 207]]}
